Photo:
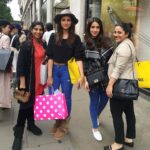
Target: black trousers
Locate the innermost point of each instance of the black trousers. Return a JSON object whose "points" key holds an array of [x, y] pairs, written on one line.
{"points": [[118, 107], [25, 114]]}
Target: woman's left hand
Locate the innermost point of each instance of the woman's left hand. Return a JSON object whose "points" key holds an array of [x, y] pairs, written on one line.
{"points": [[109, 90], [80, 82]]}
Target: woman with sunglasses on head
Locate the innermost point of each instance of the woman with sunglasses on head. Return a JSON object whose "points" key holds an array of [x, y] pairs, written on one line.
{"points": [[30, 57], [98, 50], [121, 67], [63, 45]]}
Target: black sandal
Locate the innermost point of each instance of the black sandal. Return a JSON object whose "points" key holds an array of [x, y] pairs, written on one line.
{"points": [[131, 144], [109, 148]]}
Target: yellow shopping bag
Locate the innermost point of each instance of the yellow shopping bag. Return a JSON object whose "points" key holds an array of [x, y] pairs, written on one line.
{"points": [[73, 71], [143, 73]]}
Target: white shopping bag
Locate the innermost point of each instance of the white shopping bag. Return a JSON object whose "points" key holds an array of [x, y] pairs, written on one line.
{"points": [[43, 74]]}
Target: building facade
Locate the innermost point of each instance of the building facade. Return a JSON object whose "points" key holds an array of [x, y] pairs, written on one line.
{"points": [[45, 10], [110, 11]]}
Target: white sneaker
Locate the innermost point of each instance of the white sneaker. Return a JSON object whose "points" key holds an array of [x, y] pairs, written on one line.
{"points": [[97, 135]]}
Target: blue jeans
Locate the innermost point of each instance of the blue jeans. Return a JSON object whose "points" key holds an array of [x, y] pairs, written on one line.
{"points": [[61, 78], [98, 101]]}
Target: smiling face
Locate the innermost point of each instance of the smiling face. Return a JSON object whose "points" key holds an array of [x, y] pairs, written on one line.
{"points": [[65, 22], [119, 34], [94, 29], [37, 32]]}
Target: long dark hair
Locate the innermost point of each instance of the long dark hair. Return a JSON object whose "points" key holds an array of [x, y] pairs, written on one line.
{"points": [[30, 36], [3, 24], [59, 34], [88, 37]]}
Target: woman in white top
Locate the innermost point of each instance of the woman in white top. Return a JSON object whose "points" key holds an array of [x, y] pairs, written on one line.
{"points": [[5, 99], [121, 67]]}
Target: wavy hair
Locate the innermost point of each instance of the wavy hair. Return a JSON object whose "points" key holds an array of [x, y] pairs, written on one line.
{"points": [[88, 37]]}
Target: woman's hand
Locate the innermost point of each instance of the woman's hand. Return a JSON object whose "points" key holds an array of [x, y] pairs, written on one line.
{"points": [[50, 81], [86, 86], [80, 82], [22, 82], [22, 86], [109, 91]]}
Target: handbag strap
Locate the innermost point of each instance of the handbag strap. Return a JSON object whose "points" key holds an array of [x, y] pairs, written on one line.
{"points": [[132, 61]]}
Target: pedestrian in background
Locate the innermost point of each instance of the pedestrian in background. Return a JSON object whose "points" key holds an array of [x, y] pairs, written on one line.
{"points": [[96, 43], [48, 32], [30, 58], [5, 97], [62, 46], [15, 44], [121, 67]]}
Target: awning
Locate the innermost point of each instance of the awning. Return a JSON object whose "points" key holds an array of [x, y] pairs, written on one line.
{"points": [[60, 4]]}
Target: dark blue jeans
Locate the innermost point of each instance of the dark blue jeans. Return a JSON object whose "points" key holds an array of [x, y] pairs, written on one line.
{"points": [[61, 78], [98, 101]]}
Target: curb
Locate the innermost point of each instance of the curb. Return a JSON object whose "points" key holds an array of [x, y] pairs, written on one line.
{"points": [[145, 91]]}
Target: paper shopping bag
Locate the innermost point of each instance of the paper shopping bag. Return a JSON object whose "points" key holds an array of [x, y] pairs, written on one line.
{"points": [[73, 71], [43, 74], [50, 107], [143, 73]]}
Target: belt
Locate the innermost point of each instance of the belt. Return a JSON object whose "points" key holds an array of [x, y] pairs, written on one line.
{"points": [[60, 64]]}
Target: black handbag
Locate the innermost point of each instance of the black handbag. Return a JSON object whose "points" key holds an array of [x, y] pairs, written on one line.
{"points": [[6, 58], [94, 71], [126, 89], [96, 77]]}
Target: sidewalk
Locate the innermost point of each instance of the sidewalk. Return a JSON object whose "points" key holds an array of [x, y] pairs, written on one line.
{"points": [[80, 136]]}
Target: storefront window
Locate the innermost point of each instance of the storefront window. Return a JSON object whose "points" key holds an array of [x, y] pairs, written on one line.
{"points": [[114, 11], [94, 8], [134, 11]]}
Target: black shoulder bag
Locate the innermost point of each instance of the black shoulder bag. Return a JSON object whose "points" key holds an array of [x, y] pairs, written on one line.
{"points": [[126, 89], [95, 72]]}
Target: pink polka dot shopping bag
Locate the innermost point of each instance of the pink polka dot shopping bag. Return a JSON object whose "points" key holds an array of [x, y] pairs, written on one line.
{"points": [[50, 107]]}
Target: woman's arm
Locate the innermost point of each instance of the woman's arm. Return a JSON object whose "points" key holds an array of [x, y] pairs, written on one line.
{"points": [[109, 88], [22, 82], [80, 66], [22, 65], [122, 58], [50, 68], [81, 80]]}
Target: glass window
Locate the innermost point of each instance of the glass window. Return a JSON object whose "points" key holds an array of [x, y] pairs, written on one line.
{"points": [[134, 11], [94, 8]]}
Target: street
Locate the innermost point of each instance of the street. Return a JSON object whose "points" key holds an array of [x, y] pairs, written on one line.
{"points": [[80, 136]]}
